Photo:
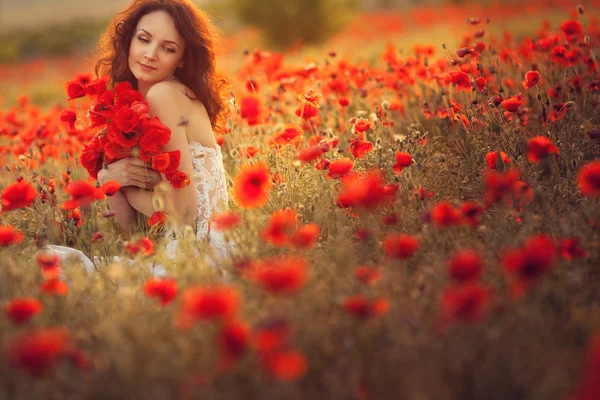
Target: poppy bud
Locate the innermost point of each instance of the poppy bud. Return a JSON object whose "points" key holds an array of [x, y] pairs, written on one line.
{"points": [[570, 104], [491, 105], [385, 105], [594, 134], [539, 96], [580, 9], [444, 46]]}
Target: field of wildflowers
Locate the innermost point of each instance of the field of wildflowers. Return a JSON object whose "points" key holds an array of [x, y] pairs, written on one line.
{"points": [[425, 225]]}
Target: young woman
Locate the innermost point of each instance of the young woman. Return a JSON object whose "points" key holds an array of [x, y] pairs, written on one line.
{"points": [[165, 49]]}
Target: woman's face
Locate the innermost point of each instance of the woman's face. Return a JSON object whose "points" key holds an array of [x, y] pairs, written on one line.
{"points": [[156, 44]]}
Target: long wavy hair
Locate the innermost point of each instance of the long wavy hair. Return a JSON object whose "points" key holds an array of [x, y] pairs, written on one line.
{"points": [[199, 72]]}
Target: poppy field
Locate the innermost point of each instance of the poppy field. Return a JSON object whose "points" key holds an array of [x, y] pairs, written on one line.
{"points": [[422, 223]]}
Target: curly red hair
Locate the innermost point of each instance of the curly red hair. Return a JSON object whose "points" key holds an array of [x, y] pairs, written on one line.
{"points": [[199, 71]]}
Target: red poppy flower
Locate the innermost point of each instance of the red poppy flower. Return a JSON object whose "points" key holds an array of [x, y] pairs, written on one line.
{"points": [[21, 310], [161, 162], [571, 28], [498, 185], [281, 275], [164, 290], [539, 147], [249, 152], [97, 236], [471, 212], [365, 190], [174, 161], [360, 147], [366, 275], [570, 248], [75, 89], [252, 185], [465, 265], [588, 179], [307, 111], [110, 188], [400, 246], [126, 119], [343, 101], [466, 303], [360, 307], [178, 179], [305, 237], [491, 159], [37, 352], [272, 336], [403, 160], [311, 153], [460, 79], [97, 87], [290, 134], [157, 218], [143, 245], [50, 264], [529, 263], [54, 287], [480, 81], [18, 195], [154, 135], [9, 235], [200, 303], [339, 168], [288, 365], [225, 221], [445, 214], [362, 125], [512, 104], [280, 225], [233, 341], [82, 194], [531, 79], [69, 116], [250, 109]]}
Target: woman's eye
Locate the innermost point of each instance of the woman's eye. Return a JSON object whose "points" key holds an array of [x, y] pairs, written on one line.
{"points": [[171, 50], [142, 40]]}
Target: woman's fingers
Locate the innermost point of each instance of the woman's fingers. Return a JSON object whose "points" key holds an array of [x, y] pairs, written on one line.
{"points": [[136, 162]]}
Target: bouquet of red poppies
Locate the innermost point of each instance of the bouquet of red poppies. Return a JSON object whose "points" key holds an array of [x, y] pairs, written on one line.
{"points": [[124, 129]]}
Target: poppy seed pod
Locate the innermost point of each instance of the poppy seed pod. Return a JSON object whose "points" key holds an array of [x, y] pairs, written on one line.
{"points": [[570, 104]]}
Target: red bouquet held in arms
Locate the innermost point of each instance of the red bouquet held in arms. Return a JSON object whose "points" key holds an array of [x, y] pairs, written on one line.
{"points": [[124, 129]]}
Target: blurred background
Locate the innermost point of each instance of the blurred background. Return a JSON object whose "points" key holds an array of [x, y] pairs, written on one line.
{"points": [[44, 41]]}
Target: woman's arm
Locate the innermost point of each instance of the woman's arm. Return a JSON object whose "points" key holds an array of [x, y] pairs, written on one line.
{"points": [[139, 199], [124, 212], [164, 102]]}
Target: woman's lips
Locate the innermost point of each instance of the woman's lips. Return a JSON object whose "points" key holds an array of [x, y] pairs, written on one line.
{"points": [[145, 68]]}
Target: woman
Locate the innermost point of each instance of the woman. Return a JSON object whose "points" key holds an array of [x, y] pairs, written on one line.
{"points": [[165, 49]]}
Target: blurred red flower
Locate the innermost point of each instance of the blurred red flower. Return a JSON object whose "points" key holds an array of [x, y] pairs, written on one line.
{"points": [[529, 263], [233, 341], [444, 214], [9, 235], [360, 307], [164, 290], [225, 221], [466, 303], [400, 246], [403, 160], [512, 104], [588, 386], [340, 168], [287, 365], [199, 303], [110, 188], [21, 310], [252, 185], [539, 147], [531, 79], [50, 264], [366, 275], [38, 351], [471, 213], [157, 218], [499, 185], [143, 245], [250, 109], [305, 237], [54, 286], [360, 147], [18, 195], [283, 275], [365, 190], [82, 194], [280, 225], [492, 159], [571, 28], [588, 179], [460, 79], [570, 249], [465, 265]]}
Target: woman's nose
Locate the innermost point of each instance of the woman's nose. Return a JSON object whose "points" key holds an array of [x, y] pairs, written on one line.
{"points": [[151, 53]]}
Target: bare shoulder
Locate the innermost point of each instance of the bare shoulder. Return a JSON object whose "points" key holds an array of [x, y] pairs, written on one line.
{"points": [[164, 91]]}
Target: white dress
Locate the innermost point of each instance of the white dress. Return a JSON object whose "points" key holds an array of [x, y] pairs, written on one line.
{"points": [[211, 194]]}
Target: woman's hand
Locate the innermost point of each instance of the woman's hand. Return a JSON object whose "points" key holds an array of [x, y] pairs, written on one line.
{"points": [[130, 171]]}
